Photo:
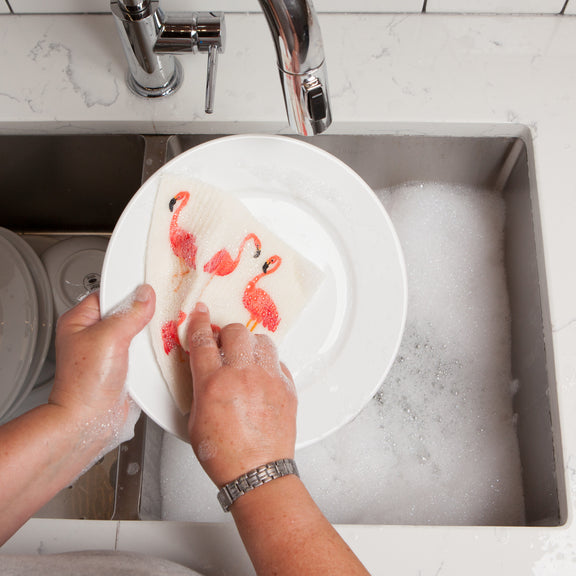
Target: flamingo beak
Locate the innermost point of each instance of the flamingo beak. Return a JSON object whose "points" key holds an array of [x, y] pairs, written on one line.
{"points": [[258, 252], [265, 267], [171, 204]]}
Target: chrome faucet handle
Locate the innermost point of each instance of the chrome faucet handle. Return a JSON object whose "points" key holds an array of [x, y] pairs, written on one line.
{"points": [[211, 79], [211, 37], [202, 32]]}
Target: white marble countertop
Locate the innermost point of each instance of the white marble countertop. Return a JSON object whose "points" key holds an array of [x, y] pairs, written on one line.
{"points": [[436, 74]]}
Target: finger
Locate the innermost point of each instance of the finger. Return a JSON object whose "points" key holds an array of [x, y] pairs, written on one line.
{"points": [[204, 353], [128, 319], [237, 345], [83, 315]]}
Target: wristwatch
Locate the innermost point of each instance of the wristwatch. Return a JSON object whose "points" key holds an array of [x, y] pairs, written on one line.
{"points": [[229, 493]]}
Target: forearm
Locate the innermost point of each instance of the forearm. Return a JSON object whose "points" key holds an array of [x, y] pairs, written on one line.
{"points": [[286, 534], [41, 452]]}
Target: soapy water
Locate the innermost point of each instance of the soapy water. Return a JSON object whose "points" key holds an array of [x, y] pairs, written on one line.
{"points": [[437, 444]]}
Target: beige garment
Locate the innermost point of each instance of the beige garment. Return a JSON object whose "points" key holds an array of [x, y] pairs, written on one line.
{"points": [[259, 280]]}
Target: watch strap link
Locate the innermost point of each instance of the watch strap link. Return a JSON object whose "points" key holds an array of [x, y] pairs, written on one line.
{"points": [[229, 493]]}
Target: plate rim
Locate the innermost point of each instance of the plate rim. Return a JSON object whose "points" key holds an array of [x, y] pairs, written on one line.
{"points": [[22, 377], [45, 313]]}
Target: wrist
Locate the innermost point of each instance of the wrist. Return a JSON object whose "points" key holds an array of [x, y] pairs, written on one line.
{"points": [[254, 479], [46, 438], [89, 431]]}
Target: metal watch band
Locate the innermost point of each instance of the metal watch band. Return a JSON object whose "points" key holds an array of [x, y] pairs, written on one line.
{"points": [[259, 476]]}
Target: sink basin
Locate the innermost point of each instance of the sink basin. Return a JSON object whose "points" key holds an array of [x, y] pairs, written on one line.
{"points": [[80, 184]]}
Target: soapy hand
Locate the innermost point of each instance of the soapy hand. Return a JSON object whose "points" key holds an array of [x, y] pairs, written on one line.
{"points": [[243, 413], [92, 360]]}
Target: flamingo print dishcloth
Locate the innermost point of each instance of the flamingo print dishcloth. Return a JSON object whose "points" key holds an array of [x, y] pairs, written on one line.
{"points": [[205, 245]]}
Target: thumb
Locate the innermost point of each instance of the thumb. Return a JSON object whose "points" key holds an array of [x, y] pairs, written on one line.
{"points": [[132, 315]]}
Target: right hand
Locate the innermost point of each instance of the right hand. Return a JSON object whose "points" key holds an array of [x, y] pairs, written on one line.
{"points": [[243, 412]]}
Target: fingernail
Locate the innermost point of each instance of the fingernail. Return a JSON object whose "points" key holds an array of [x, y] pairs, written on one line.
{"points": [[201, 307], [143, 293]]}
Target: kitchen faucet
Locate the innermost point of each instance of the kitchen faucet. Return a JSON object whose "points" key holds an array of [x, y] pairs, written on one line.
{"points": [[150, 39]]}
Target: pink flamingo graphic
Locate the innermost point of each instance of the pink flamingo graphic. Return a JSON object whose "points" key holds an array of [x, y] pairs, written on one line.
{"points": [[258, 302], [182, 242], [170, 333], [221, 264]]}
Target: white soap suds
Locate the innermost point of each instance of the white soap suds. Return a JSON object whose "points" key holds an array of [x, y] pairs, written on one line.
{"points": [[124, 306], [437, 444], [113, 425]]}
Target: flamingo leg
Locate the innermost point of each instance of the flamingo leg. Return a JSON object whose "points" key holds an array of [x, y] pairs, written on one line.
{"points": [[183, 271], [204, 287]]}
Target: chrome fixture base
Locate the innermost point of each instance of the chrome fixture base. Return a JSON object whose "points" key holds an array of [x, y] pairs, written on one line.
{"points": [[169, 88]]}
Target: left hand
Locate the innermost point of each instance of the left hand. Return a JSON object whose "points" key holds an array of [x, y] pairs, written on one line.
{"points": [[92, 360]]}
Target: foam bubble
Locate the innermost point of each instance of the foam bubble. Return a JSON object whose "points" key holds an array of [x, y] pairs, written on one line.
{"points": [[201, 338], [124, 306], [116, 424]]}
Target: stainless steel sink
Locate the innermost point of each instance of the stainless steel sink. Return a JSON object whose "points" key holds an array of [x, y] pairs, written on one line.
{"points": [[80, 184]]}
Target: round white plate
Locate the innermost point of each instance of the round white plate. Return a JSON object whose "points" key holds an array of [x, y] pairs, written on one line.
{"points": [[74, 266], [18, 323], [45, 312], [343, 344]]}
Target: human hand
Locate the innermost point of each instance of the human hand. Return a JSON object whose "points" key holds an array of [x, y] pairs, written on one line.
{"points": [[92, 361], [244, 407]]}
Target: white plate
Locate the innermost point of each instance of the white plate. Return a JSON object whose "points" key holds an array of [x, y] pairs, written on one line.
{"points": [[45, 312], [343, 344], [18, 323], [73, 266]]}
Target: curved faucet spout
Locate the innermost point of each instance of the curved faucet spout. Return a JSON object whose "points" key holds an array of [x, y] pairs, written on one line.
{"points": [[301, 63]]}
